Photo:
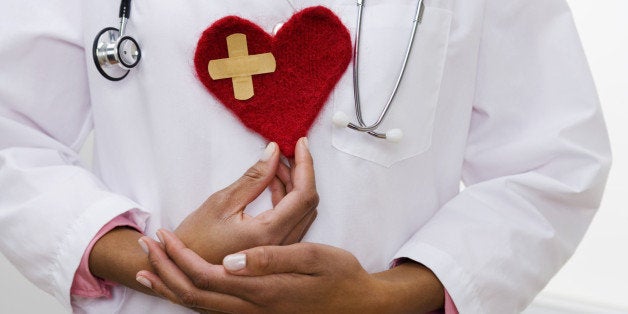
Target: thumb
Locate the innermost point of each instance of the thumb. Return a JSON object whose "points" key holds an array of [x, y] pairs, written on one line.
{"points": [[300, 258], [256, 179]]}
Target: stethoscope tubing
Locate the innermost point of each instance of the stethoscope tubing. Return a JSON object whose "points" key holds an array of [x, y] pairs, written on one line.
{"points": [[363, 127]]}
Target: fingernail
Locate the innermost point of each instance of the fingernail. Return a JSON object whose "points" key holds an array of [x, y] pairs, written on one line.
{"points": [[305, 142], [143, 245], [234, 262], [160, 236], [145, 282], [269, 151]]}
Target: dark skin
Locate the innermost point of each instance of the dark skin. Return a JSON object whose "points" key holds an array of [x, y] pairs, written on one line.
{"points": [[276, 278], [299, 278], [220, 226]]}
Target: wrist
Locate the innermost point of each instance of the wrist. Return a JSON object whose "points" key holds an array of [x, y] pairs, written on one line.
{"points": [[409, 288], [117, 257]]}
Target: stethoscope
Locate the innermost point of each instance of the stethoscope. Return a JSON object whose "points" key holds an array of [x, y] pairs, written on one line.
{"points": [[114, 53], [341, 119]]}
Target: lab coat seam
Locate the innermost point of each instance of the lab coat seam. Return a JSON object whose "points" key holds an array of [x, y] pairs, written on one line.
{"points": [[465, 173], [478, 64], [443, 67], [86, 128]]}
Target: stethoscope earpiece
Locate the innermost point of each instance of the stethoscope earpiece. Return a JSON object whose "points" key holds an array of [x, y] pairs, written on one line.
{"points": [[114, 53]]}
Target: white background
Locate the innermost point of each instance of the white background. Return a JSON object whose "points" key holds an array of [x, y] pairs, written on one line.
{"points": [[596, 279]]}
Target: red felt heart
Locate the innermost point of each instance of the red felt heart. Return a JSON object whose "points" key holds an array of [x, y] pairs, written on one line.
{"points": [[312, 51]]}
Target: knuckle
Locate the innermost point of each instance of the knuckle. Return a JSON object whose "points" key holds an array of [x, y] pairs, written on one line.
{"points": [[255, 173], [311, 255], [310, 199], [188, 298], [315, 199], [264, 258], [201, 280]]}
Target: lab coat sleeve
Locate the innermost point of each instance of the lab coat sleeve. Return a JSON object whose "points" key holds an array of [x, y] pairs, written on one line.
{"points": [[50, 206], [536, 162], [85, 284]]}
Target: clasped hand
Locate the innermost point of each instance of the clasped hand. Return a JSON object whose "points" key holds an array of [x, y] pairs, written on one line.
{"points": [[270, 274], [298, 278], [220, 226]]}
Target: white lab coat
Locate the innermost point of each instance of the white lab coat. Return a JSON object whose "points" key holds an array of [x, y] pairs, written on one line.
{"points": [[498, 94]]}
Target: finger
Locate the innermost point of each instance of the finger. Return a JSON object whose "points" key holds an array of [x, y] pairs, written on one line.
{"points": [[292, 165], [254, 181], [202, 301], [277, 191], [202, 274], [154, 283], [303, 198], [172, 283], [165, 268], [303, 166], [300, 258], [285, 175], [309, 224], [282, 184], [299, 230]]}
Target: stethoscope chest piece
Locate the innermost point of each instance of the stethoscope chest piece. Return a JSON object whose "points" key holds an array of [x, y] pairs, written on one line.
{"points": [[114, 56]]}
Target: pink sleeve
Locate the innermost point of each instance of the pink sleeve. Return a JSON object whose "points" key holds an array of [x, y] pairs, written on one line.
{"points": [[87, 285], [449, 307]]}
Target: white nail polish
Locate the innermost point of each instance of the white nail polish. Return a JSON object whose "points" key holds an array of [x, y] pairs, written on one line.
{"points": [[268, 152], [306, 142], [143, 245], [145, 282], [160, 237], [234, 262]]}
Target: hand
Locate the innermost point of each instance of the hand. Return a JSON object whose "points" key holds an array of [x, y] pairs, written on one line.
{"points": [[220, 226], [299, 278]]}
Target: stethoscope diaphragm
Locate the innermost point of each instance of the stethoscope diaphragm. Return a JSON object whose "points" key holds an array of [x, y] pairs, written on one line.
{"points": [[128, 53], [115, 56]]}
